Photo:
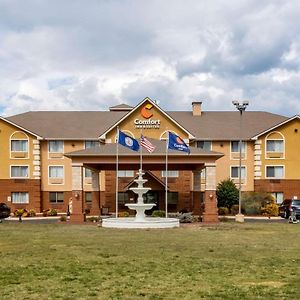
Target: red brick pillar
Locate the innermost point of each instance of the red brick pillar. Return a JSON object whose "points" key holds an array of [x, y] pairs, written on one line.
{"points": [[95, 210], [77, 195], [210, 214]]}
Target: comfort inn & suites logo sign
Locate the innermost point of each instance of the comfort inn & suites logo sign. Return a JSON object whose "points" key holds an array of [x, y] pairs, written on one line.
{"points": [[147, 122]]}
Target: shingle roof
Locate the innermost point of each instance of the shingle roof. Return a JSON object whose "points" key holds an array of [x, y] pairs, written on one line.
{"points": [[123, 107], [91, 124]]}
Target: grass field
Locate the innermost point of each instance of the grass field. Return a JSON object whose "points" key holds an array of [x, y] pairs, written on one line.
{"points": [[230, 261]]}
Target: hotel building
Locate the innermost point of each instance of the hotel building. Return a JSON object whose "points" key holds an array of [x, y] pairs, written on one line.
{"points": [[51, 159]]}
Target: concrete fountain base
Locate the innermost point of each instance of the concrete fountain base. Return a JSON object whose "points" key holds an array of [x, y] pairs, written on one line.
{"points": [[148, 222]]}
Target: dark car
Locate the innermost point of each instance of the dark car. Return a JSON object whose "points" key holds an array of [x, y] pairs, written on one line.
{"points": [[4, 211], [289, 205]]}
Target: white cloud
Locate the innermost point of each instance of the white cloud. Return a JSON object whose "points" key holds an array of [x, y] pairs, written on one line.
{"points": [[89, 55]]}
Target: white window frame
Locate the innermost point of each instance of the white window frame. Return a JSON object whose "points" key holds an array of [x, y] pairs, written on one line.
{"points": [[10, 171], [274, 194], [283, 167], [245, 153], [19, 139], [175, 173], [27, 198], [272, 139]]}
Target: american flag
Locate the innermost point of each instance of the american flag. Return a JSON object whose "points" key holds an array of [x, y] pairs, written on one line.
{"points": [[147, 144]]}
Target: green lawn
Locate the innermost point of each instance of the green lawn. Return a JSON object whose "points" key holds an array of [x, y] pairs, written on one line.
{"points": [[230, 261]]}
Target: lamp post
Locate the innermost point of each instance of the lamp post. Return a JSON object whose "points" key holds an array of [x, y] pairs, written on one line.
{"points": [[241, 107]]}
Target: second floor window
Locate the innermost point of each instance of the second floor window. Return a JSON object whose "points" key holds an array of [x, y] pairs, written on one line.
{"points": [[56, 146], [235, 172], [19, 171], [170, 173], [87, 173], [205, 145], [274, 172], [91, 144], [235, 147], [56, 172], [19, 145], [125, 173]]}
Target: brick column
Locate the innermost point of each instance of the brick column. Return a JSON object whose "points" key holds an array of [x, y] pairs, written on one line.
{"points": [[210, 214], [77, 194], [95, 210]]}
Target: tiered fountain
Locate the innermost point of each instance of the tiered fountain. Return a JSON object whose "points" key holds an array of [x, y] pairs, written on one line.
{"points": [[140, 220]]}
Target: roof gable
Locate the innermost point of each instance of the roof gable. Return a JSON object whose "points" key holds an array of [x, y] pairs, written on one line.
{"points": [[276, 126], [145, 109]]}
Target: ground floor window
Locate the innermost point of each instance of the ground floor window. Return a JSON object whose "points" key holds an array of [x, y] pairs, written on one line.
{"points": [[88, 197], [123, 198], [172, 197], [278, 197], [20, 197], [56, 197]]}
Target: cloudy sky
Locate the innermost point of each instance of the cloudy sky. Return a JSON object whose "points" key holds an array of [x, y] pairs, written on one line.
{"points": [[88, 55]]}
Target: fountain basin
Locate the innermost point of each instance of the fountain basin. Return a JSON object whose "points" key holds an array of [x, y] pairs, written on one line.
{"points": [[148, 222], [140, 190], [140, 209]]}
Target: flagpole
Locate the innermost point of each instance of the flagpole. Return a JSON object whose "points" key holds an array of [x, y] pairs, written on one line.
{"points": [[141, 152], [117, 173], [166, 187]]}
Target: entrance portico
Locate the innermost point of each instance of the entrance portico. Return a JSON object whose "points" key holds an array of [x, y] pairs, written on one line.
{"points": [[104, 159]]}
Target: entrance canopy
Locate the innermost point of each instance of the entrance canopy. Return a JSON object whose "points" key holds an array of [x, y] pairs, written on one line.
{"points": [[104, 158]]}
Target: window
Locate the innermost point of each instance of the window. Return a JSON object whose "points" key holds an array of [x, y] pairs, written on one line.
{"points": [[278, 197], [19, 171], [19, 145], [235, 147], [205, 145], [172, 197], [91, 144], [56, 172], [123, 198], [274, 172], [125, 173], [20, 197], [87, 173], [235, 172], [56, 197], [88, 196], [274, 146], [170, 173], [56, 146]]}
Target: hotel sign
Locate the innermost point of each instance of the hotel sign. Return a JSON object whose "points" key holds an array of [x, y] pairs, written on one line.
{"points": [[148, 123]]}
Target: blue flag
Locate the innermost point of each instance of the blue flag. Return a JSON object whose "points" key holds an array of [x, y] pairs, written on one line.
{"points": [[177, 143], [128, 141]]}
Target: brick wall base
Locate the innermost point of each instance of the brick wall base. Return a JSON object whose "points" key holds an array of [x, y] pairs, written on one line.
{"points": [[289, 187]]}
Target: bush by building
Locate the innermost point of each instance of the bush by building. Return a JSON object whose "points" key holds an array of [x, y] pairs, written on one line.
{"points": [[227, 194]]}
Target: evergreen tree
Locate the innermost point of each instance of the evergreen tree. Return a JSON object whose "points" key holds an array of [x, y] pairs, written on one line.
{"points": [[227, 193]]}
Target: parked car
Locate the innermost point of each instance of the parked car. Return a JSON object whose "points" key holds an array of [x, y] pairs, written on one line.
{"points": [[289, 205], [4, 211]]}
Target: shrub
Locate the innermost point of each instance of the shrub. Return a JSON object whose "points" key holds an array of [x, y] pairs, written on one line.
{"points": [[234, 209], [270, 210], [21, 212], [123, 214], [224, 219], [93, 219], [52, 212], [253, 202], [63, 218], [31, 213], [158, 213], [186, 218], [223, 211], [45, 212], [227, 193]]}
